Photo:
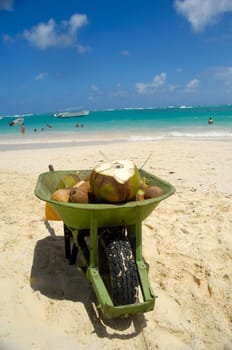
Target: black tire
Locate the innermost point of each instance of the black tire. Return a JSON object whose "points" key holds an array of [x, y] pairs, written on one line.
{"points": [[117, 267]]}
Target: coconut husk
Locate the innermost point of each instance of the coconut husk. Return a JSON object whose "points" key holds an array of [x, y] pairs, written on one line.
{"points": [[78, 195], [61, 195]]}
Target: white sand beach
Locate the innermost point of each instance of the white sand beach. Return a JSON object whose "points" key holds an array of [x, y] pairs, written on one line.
{"points": [[46, 304]]}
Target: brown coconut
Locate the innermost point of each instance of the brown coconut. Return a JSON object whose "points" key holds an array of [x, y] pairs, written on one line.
{"points": [[61, 195], [83, 185], [153, 192], [78, 195]]}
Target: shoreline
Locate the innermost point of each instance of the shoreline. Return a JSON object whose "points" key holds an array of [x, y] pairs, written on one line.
{"points": [[60, 140]]}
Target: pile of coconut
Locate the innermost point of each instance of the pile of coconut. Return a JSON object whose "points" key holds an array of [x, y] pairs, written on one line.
{"points": [[116, 181]]}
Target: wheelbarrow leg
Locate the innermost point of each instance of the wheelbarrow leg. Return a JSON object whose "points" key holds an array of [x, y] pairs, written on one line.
{"points": [[70, 254], [67, 236], [73, 257]]}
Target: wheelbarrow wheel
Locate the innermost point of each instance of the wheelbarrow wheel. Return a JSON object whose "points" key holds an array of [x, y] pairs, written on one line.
{"points": [[117, 267]]}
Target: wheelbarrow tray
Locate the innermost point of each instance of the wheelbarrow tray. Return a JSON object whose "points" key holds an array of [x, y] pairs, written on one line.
{"points": [[78, 215]]}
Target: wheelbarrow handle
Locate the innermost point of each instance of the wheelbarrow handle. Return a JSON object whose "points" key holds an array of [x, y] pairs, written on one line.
{"points": [[50, 167]]}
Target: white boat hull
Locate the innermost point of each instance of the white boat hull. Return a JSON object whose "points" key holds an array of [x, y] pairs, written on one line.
{"points": [[17, 121], [71, 114]]}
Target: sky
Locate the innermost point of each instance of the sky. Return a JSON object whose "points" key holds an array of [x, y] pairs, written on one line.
{"points": [[98, 54]]}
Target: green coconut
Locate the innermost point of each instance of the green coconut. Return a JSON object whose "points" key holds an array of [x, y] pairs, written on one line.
{"points": [[115, 181], [68, 180]]}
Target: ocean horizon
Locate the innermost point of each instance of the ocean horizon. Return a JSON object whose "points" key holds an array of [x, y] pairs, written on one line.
{"points": [[128, 124]]}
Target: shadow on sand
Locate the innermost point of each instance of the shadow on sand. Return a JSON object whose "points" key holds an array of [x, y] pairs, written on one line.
{"points": [[54, 277]]}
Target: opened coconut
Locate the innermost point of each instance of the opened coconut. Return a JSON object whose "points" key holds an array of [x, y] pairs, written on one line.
{"points": [[116, 181]]}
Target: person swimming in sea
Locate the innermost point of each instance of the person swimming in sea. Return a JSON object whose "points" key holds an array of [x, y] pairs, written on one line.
{"points": [[210, 120], [22, 129]]}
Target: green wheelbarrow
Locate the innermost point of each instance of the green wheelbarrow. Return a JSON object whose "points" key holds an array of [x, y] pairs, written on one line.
{"points": [[109, 239]]}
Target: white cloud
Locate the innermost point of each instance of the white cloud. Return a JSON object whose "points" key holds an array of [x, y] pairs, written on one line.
{"points": [[45, 35], [41, 76], [201, 13], [159, 80], [6, 5], [150, 88], [192, 85], [76, 21]]}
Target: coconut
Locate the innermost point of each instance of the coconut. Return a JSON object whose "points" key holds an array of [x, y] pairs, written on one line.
{"points": [[78, 195], [116, 181], [152, 192], [68, 180], [83, 185], [61, 195]]}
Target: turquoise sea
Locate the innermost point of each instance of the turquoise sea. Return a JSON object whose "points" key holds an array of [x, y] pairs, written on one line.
{"points": [[184, 122]]}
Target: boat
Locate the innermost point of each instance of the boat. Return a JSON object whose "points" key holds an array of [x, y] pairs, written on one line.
{"points": [[17, 121], [81, 113]]}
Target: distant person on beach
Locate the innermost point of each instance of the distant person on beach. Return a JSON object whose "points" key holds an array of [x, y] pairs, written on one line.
{"points": [[22, 129], [79, 125], [210, 120]]}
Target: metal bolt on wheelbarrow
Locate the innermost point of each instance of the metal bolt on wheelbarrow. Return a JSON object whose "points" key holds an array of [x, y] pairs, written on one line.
{"points": [[109, 236]]}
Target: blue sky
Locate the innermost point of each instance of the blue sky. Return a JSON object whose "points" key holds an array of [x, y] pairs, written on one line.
{"points": [[100, 54]]}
